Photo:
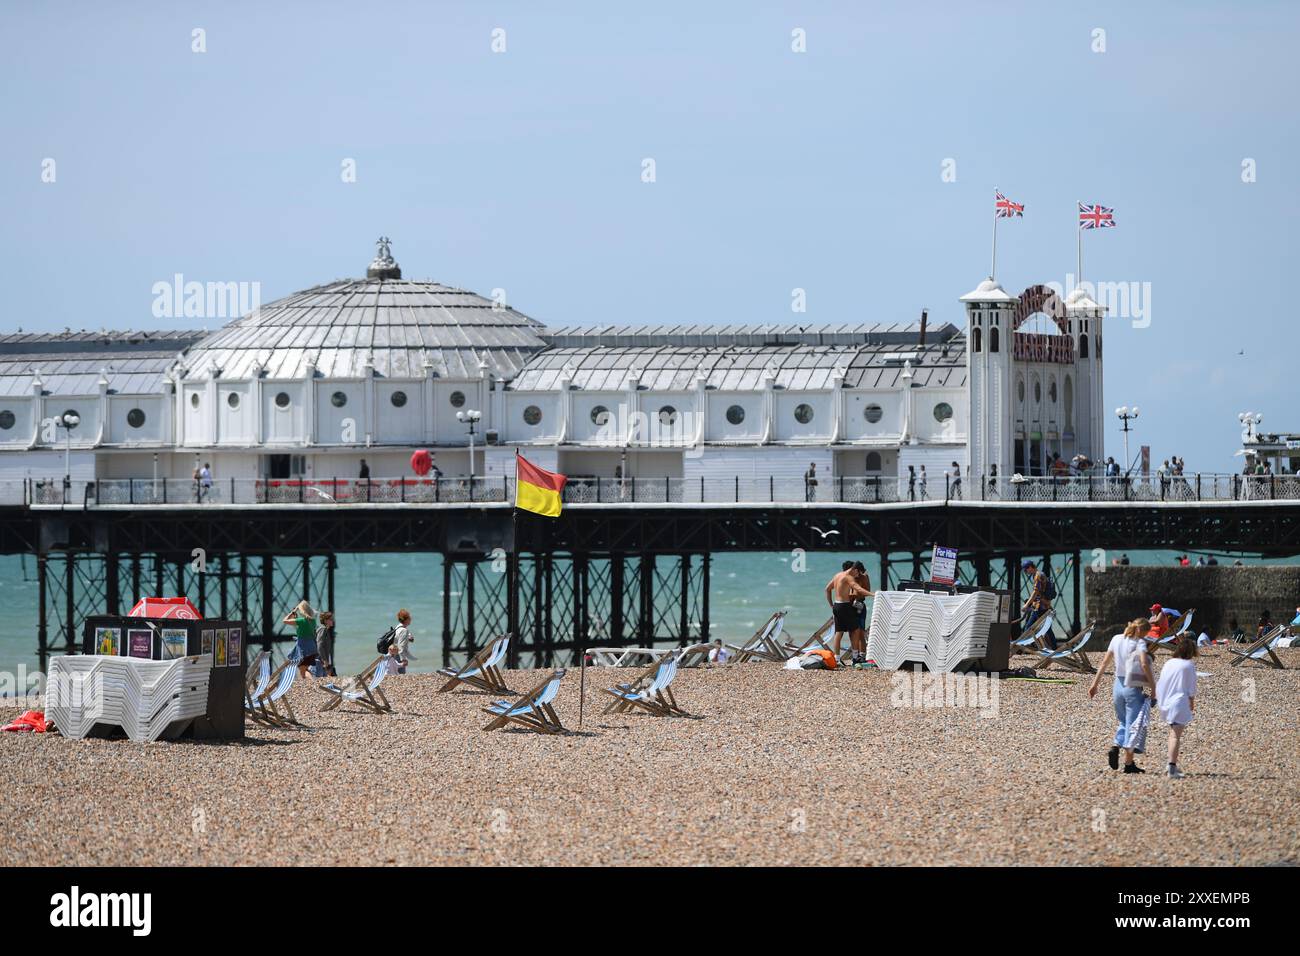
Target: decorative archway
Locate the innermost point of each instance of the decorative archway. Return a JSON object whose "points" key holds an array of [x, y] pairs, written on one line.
{"points": [[1040, 298]]}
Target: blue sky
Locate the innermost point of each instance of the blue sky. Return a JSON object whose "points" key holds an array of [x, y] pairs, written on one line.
{"points": [[774, 170]]}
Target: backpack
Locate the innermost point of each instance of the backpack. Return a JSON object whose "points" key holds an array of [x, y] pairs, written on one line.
{"points": [[1049, 589], [386, 640]]}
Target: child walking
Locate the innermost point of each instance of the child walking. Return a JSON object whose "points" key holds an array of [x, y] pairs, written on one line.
{"points": [[1176, 693]]}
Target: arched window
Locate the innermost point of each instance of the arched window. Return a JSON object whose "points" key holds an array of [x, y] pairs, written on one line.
{"points": [[993, 339], [975, 341], [1083, 346], [1069, 402], [873, 461]]}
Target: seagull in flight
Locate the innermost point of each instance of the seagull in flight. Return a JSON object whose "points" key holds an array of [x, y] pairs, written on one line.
{"points": [[824, 534]]}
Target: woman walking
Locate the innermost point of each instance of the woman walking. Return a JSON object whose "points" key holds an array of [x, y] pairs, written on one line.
{"points": [[1130, 652], [1177, 695], [303, 619], [325, 642]]}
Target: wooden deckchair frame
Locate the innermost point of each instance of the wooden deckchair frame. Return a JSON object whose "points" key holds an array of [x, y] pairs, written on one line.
{"points": [[1074, 658], [760, 644], [663, 704], [1264, 643], [370, 697], [540, 717], [484, 678], [270, 709]]}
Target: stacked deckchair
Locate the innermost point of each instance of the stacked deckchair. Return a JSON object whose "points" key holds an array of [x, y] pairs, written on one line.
{"points": [[940, 631], [1071, 656], [1262, 649], [764, 644], [650, 691], [533, 710], [483, 670], [147, 699], [270, 705]]}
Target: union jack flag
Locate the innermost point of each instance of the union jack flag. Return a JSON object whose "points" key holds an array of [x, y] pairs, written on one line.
{"points": [[1095, 217], [1006, 208]]}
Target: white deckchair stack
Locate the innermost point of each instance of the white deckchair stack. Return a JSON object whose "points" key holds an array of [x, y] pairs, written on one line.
{"points": [[937, 630], [144, 698]]}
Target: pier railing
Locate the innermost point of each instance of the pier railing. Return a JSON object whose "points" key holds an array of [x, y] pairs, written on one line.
{"points": [[146, 492]]}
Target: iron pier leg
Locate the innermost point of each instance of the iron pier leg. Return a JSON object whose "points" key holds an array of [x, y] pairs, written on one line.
{"points": [[704, 615], [446, 612], [1078, 573]]}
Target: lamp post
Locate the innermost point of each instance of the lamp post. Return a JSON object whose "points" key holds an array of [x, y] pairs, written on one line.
{"points": [[68, 421], [1126, 415], [470, 416], [1248, 422]]}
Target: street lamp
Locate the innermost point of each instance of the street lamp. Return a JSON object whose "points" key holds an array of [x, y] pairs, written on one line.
{"points": [[1248, 422], [1126, 415], [470, 416], [68, 421]]}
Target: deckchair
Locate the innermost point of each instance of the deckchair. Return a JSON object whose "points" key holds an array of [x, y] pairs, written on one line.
{"points": [[1036, 638], [1261, 649], [482, 670], [622, 656], [273, 703], [1177, 628], [820, 638], [255, 681], [694, 655], [764, 644], [533, 710], [650, 691], [364, 688], [1072, 656]]}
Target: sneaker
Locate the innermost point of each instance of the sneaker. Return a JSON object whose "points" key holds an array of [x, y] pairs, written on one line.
{"points": [[1174, 772], [1133, 768], [1112, 758]]}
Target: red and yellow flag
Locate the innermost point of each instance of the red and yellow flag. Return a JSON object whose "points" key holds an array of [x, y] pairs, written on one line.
{"points": [[537, 490]]}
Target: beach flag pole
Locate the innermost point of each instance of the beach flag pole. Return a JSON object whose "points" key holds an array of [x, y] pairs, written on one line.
{"points": [[1078, 232], [993, 268]]}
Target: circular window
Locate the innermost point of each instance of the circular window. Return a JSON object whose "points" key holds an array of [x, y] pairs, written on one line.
{"points": [[457, 399], [667, 415], [600, 416], [135, 418], [339, 399], [398, 399], [942, 412], [735, 414], [532, 415], [282, 400], [873, 413], [803, 414], [7, 419], [194, 400], [233, 399]]}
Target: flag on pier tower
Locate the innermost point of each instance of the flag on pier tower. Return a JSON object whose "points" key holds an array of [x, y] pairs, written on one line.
{"points": [[536, 489], [1004, 208]]}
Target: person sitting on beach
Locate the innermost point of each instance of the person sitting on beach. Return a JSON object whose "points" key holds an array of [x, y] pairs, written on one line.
{"points": [[1132, 658], [718, 654], [1159, 621], [303, 619], [841, 592], [1264, 624], [401, 640], [1176, 693]]}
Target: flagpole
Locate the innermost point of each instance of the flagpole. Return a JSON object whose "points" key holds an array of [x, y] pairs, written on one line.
{"points": [[1078, 229], [993, 269]]}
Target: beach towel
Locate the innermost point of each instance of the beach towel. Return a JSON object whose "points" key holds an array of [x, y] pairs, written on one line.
{"points": [[1138, 729], [32, 721]]}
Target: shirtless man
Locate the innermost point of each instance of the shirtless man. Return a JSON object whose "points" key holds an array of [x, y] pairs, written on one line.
{"points": [[841, 592]]}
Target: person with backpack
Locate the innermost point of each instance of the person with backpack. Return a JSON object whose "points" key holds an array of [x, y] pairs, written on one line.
{"points": [[1042, 593], [1132, 656], [397, 639]]}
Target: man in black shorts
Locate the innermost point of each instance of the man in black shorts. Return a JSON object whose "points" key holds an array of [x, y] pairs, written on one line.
{"points": [[841, 592]]}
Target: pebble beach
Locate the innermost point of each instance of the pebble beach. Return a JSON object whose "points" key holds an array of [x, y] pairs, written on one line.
{"points": [[778, 767]]}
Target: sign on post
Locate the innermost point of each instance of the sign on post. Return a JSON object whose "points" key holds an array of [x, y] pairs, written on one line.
{"points": [[943, 566]]}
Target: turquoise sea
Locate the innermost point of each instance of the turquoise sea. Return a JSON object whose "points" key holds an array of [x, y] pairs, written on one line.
{"points": [[745, 589]]}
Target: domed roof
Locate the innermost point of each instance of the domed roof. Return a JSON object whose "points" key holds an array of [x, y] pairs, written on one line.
{"points": [[987, 291], [401, 326], [1080, 301]]}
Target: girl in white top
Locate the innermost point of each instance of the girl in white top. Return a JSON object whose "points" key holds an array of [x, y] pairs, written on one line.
{"points": [[1177, 695], [1130, 653]]}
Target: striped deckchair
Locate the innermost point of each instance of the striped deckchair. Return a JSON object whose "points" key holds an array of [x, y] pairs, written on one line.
{"points": [[364, 689], [765, 644], [482, 670], [1072, 656], [1262, 649], [1036, 638], [255, 683], [273, 703], [533, 710], [651, 691], [1177, 628]]}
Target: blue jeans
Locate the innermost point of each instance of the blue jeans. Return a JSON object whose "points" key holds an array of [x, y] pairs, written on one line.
{"points": [[1130, 703]]}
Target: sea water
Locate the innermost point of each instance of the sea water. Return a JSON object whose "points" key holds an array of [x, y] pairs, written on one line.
{"points": [[745, 588]]}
